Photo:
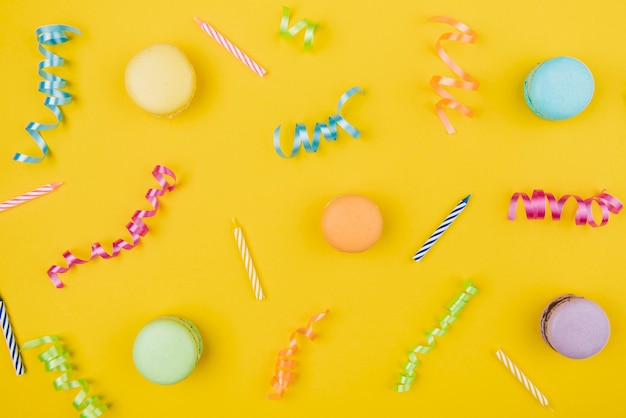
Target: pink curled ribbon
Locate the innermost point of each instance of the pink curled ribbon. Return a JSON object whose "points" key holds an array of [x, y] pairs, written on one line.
{"points": [[284, 372], [535, 206], [465, 81], [136, 227]]}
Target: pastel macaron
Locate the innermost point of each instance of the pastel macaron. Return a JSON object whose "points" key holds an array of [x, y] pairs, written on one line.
{"points": [[575, 327], [160, 80], [559, 88], [167, 350], [351, 223]]}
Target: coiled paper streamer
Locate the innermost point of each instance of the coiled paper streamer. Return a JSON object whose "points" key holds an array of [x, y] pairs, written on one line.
{"points": [[508, 363], [284, 373], [136, 227], [465, 81], [288, 33], [535, 206], [51, 86], [328, 131], [408, 375], [56, 359]]}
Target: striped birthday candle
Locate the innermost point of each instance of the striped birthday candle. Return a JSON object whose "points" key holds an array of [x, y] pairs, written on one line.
{"points": [[508, 363], [247, 261], [28, 196], [230, 47], [441, 229], [7, 331]]}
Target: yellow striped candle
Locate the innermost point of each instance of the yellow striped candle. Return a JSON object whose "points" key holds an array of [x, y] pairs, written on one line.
{"points": [[247, 261], [508, 363]]}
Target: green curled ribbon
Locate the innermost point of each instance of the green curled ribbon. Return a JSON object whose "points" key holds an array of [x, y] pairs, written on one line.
{"points": [[408, 375], [328, 131], [288, 33], [56, 359], [51, 86]]}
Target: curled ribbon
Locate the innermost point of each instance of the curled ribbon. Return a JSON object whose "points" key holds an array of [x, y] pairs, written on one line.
{"points": [[408, 375], [465, 81], [56, 359], [535, 206], [287, 32], [328, 131], [284, 372], [136, 227], [51, 86]]}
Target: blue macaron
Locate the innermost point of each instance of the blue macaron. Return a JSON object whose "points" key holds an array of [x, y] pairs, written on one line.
{"points": [[559, 88]]}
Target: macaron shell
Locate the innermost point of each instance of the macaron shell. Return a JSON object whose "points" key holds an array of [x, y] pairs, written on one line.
{"points": [[351, 223], [559, 88], [167, 350], [576, 327], [161, 80]]}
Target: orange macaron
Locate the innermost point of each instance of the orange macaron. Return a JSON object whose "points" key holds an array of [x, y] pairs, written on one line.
{"points": [[351, 223]]}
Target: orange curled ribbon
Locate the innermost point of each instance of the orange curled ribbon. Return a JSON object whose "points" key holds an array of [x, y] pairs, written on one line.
{"points": [[466, 81], [535, 206], [284, 372]]}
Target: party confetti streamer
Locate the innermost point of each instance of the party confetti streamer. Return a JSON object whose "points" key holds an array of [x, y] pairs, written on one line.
{"points": [[441, 229], [51, 86], [26, 197], [408, 375], [535, 206], [285, 365], [136, 227], [328, 131], [230, 47], [56, 359], [247, 261], [287, 33], [9, 337], [466, 81], [506, 361]]}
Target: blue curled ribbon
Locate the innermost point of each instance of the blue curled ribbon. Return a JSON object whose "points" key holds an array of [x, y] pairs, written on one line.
{"points": [[51, 86], [328, 131]]}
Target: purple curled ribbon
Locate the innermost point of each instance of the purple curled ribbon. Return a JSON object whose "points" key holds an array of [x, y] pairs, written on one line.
{"points": [[327, 130], [535, 206]]}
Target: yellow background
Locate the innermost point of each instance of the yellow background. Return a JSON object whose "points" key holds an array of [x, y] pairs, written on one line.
{"points": [[380, 301]]}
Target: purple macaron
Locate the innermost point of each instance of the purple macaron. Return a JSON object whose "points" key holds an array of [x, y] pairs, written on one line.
{"points": [[575, 327]]}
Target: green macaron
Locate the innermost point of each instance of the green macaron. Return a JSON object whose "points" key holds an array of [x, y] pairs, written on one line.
{"points": [[167, 350]]}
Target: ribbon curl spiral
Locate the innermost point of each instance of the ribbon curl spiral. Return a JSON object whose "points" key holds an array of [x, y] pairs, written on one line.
{"points": [[328, 131], [284, 372], [136, 227], [535, 206], [408, 375], [56, 359], [51, 86], [288, 33], [465, 81]]}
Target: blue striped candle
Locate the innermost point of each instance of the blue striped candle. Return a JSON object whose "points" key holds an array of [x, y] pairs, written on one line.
{"points": [[14, 350], [441, 229]]}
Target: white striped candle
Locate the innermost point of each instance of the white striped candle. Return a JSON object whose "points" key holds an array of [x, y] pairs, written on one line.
{"points": [[506, 361], [14, 350], [230, 47], [247, 261], [441, 229], [26, 197]]}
